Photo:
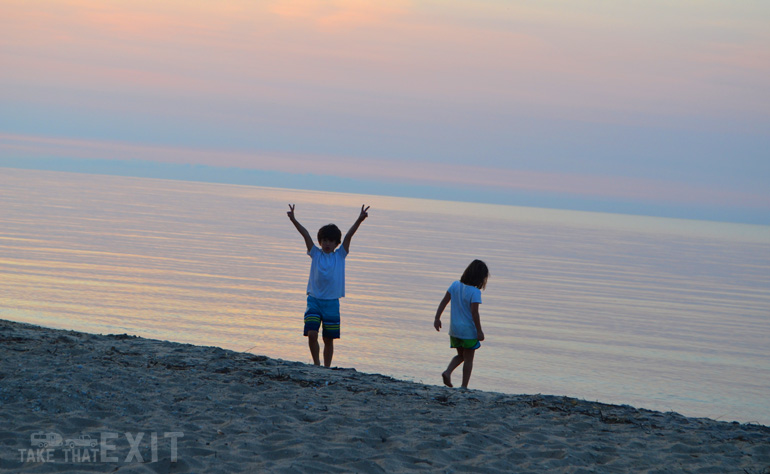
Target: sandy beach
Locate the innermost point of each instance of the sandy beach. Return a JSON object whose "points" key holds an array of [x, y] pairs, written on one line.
{"points": [[76, 402]]}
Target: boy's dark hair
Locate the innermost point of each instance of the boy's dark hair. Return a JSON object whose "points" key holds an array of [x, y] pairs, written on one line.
{"points": [[476, 275], [330, 232]]}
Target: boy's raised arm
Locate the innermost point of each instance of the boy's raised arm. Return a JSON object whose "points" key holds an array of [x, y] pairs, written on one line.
{"points": [[364, 214], [305, 234]]}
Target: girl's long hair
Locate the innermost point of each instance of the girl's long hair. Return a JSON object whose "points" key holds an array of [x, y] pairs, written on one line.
{"points": [[476, 275]]}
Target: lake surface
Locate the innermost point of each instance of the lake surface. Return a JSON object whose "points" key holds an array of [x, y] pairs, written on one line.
{"points": [[656, 313]]}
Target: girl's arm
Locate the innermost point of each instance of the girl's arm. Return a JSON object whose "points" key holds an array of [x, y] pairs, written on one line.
{"points": [[305, 234], [441, 307], [346, 241], [477, 321]]}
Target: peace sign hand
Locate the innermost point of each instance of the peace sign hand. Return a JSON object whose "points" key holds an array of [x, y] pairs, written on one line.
{"points": [[364, 213]]}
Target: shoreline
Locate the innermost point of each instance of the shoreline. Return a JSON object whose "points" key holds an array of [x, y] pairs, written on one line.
{"points": [[146, 405]]}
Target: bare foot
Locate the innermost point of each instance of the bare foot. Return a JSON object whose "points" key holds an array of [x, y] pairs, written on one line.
{"points": [[447, 379]]}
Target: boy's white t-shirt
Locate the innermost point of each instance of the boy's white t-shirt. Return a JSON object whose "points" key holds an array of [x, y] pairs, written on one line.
{"points": [[327, 273], [461, 324]]}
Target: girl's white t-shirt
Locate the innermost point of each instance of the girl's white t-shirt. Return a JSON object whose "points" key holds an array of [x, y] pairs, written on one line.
{"points": [[461, 324]]}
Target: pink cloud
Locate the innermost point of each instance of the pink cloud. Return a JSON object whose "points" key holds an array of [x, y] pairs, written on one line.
{"points": [[572, 60], [336, 14]]}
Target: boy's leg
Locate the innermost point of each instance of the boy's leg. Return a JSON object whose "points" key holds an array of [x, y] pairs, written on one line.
{"points": [[331, 328], [328, 351], [312, 342], [453, 364], [312, 325], [468, 355]]}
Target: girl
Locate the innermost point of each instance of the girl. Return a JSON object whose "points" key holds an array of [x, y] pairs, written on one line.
{"points": [[465, 331]]}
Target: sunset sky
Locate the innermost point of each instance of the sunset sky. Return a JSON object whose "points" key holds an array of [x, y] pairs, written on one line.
{"points": [[649, 107]]}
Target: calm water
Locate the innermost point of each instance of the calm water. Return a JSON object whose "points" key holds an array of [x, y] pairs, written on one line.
{"points": [[657, 313]]}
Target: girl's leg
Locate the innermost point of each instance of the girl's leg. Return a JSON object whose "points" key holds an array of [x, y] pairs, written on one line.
{"points": [[468, 366], [453, 364], [328, 351]]}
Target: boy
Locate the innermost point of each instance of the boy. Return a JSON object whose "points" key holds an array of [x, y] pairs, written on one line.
{"points": [[326, 284]]}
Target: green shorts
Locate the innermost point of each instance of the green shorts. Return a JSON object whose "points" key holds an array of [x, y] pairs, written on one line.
{"points": [[458, 343]]}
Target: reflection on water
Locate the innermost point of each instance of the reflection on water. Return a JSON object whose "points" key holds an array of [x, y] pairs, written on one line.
{"points": [[656, 313]]}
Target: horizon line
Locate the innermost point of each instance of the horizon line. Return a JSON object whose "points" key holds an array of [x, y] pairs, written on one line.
{"points": [[235, 176]]}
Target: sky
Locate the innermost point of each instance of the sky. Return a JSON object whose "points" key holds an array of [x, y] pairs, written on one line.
{"points": [[644, 107]]}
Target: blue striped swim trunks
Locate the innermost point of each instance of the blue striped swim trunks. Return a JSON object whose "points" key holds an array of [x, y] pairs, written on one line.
{"points": [[326, 312]]}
